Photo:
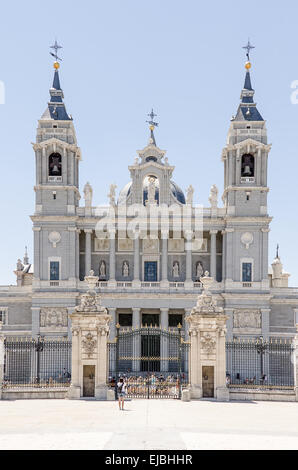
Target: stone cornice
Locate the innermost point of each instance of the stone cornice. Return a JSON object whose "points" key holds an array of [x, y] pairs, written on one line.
{"points": [[244, 220], [51, 187], [54, 141], [244, 143], [246, 188], [54, 218]]}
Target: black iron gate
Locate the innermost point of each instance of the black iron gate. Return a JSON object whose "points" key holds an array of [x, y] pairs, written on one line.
{"points": [[153, 361], [36, 362]]}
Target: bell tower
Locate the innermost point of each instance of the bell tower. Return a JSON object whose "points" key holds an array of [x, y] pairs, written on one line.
{"points": [[57, 158], [245, 160]]}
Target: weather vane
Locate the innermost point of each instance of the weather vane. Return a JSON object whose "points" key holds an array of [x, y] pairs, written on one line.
{"points": [[248, 47], [152, 123], [55, 47]]}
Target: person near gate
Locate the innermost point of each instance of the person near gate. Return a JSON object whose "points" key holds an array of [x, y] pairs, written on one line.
{"points": [[121, 390]]}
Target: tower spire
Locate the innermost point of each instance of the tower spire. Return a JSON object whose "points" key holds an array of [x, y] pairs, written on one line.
{"points": [[152, 126], [56, 108], [247, 110]]}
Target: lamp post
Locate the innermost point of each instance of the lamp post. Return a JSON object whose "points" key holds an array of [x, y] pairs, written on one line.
{"points": [[38, 348]]}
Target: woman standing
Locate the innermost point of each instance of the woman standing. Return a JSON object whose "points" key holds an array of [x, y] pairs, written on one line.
{"points": [[121, 390]]}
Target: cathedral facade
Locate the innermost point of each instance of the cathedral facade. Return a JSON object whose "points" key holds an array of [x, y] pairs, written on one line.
{"points": [[147, 279]]}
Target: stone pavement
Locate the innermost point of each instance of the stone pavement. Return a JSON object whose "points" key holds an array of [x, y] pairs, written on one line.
{"points": [[147, 424]]}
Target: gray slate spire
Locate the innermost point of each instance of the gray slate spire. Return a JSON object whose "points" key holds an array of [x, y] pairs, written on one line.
{"points": [[56, 108], [247, 110]]}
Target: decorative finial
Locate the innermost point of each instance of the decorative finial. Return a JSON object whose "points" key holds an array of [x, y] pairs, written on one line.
{"points": [[248, 47], [26, 258], [277, 248], [56, 47], [152, 123]]}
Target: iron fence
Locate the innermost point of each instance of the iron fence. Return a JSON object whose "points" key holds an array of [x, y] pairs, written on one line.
{"points": [[254, 363], [154, 362], [36, 363]]}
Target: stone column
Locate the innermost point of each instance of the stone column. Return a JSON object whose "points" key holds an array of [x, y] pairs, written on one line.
{"points": [[213, 254], [70, 310], [90, 329], [88, 233], [37, 252], [188, 281], [164, 346], [229, 312], [223, 256], [164, 260], [136, 324], [207, 334], [35, 320], [77, 264], [112, 280], [136, 263], [2, 351], [112, 312], [265, 313]]}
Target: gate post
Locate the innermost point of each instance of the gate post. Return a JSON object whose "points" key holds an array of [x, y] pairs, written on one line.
{"points": [[2, 352], [207, 329], [90, 329]]}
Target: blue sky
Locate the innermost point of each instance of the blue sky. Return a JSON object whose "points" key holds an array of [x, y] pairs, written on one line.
{"points": [[184, 59]]}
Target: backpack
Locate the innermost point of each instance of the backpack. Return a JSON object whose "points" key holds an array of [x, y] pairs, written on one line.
{"points": [[120, 387]]}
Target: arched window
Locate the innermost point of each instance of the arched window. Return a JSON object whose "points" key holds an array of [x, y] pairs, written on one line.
{"points": [[55, 164], [247, 165]]}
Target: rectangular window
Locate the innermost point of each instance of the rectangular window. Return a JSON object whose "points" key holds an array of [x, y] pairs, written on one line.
{"points": [[175, 319], [3, 315], [125, 319], [150, 271], [246, 272], [54, 270]]}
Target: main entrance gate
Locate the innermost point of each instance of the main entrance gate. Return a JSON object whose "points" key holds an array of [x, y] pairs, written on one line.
{"points": [[154, 362]]}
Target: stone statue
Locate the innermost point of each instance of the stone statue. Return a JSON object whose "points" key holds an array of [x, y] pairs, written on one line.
{"points": [[151, 190], [213, 196], [200, 270], [189, 194], [176, 269], [125, 269], [88, 195], [112, 194], [102, 269], [20, 266]]}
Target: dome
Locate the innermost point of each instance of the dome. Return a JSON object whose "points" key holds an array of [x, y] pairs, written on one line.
{"points": [[176, 191]]}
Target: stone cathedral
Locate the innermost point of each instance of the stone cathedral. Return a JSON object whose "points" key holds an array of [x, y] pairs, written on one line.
{"points": [[144, 280]]}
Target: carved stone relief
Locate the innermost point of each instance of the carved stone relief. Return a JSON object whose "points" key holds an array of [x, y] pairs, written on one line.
{"points": [[150, 245], [101, 244], [247, 319], [176, 245], [125, 244], [53, 317]]}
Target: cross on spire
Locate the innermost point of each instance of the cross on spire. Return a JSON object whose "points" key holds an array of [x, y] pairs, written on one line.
{"points": [[55, 47], [248, 47], [152, 116]]}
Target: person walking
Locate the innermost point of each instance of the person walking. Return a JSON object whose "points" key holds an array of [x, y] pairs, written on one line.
{"points": [[121, 389]]}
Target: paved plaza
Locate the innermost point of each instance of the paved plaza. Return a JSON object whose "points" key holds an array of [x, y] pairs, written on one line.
{"points": [[147, 424]]}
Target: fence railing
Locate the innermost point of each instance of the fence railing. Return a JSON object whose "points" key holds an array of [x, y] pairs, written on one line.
{"points": [[252, 363], [41, 363]]}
